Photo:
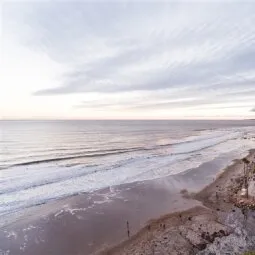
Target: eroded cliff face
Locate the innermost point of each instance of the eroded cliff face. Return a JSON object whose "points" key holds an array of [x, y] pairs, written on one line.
{"points": [[242, 239], [240, 193]]}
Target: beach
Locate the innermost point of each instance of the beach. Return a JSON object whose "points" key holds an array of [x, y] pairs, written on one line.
{"points": [[71, 200], [127, 128], [217, 227], [86, 224]]}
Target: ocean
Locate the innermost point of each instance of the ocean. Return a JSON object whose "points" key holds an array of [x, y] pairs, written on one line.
{"points": [[42, 161]]}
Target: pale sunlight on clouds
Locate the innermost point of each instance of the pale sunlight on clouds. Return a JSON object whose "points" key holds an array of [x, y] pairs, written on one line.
{"points": [[126, 60]]}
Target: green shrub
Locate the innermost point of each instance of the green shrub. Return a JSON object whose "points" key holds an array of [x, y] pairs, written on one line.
{"points": [[249, 253]]}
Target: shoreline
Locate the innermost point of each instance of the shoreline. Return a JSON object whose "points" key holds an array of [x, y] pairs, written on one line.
{"points": [[199, 229], [213, 167], [61, 227]]}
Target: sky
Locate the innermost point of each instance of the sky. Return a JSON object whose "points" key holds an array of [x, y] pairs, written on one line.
{"points": [[127, 60]]}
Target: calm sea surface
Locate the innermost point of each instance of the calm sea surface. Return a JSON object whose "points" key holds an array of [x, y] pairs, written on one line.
{"points": [[45, 160]]}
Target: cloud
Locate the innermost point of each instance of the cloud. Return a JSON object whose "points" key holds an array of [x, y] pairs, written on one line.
{"points": [[143, 55], [253, 109], [110, 75], [176, 49]]}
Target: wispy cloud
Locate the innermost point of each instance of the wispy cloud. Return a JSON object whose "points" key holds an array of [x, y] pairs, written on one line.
{"points": [[148, 54]]}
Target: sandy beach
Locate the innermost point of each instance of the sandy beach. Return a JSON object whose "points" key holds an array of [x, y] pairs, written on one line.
{"points": [[217, 227], [95, 223], [81, 224]]}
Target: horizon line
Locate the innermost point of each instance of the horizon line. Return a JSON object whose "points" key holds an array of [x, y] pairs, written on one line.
{"points": [[68, 119]]}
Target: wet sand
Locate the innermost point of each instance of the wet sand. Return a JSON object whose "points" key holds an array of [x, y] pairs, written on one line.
{"points": [[87, 223], [81, 224]]}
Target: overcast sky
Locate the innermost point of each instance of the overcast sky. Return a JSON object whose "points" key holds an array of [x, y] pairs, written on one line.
{"points": [[128, 60]]}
